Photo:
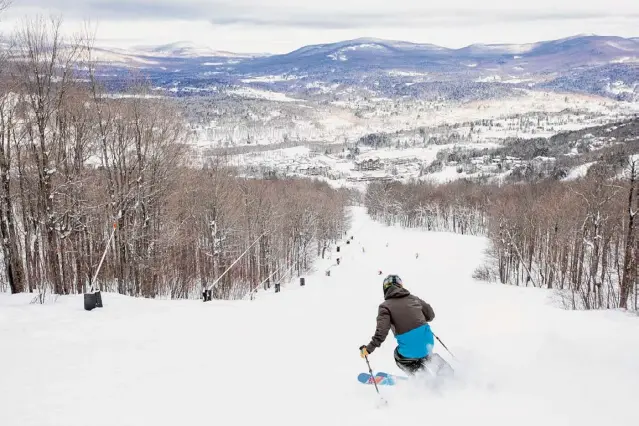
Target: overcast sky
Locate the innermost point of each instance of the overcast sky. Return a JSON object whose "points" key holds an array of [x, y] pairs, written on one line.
{"points": [[278, 26]]}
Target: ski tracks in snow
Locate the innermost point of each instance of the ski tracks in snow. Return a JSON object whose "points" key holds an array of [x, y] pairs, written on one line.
{"points": [[292, 358]]}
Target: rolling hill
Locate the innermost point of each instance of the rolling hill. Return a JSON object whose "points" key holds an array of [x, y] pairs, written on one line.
{"points": [[602, 65]]}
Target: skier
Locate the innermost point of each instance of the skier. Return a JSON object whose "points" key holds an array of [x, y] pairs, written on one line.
{"points": [[408, 316]]}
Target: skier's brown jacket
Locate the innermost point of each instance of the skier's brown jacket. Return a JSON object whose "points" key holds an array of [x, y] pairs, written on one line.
{"points": [[401, 312]]}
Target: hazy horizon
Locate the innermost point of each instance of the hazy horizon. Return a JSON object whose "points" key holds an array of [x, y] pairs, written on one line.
{"points": [[281, 26], [106, 45]]}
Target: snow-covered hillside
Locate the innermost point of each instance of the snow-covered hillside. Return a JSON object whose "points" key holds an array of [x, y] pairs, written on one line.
{"points": [[291, 358], [258, 116], [601, 65], [339, 92], [182, 49], [514, 148]]}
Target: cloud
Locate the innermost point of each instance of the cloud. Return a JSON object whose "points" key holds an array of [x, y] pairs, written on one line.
{"points": [[278, 26], [335, 14], [390, 20], [122, 9]]}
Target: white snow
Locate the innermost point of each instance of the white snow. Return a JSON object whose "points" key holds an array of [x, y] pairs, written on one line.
{"points": [[447, 174], [619, 46], [129, 96], [579, 171], [363, 46], [426, 154], [321, 86], [273, 155], [338, 56], [515, 80], [291, 358], [625, 59], [120, 57], [251, 93], [402, 73], [505, 48], [185, 49], [488, 79], [268, 79], [619, 87], [360, 115]]}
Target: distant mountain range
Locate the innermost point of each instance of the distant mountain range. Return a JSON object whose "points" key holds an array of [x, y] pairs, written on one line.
{"points": [[366, 52], [185, 50], [605, 65]]}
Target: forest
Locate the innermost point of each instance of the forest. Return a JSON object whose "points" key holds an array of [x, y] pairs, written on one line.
{"points": [[81, 168], [578, 238]]}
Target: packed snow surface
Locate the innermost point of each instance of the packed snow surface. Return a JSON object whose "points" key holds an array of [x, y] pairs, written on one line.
{"points": [[292, 358]]}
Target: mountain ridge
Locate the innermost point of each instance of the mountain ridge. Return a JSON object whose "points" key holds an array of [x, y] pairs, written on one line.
{"points": [[602, 65], [204, 50]]}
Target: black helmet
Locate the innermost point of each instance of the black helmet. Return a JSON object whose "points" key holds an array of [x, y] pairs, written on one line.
{"points": [[392, 280]]}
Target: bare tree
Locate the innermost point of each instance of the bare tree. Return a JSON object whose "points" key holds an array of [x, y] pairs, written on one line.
{"points": [[578, 238], [4, 4], [74, 159], [631, 251], [9, 241]]}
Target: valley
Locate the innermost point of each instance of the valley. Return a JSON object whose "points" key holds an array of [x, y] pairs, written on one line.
{"points": [[393, 141], [371, 109]]}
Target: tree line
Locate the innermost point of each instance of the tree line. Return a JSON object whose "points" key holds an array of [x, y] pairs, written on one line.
{"points": [[578, 238], [77, 162]]}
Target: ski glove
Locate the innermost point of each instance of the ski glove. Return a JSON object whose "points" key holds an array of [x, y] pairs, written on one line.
{"points": [[363, 352]]}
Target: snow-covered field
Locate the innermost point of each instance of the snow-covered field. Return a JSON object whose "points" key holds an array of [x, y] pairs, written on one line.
{"points": [[292, 358], [579, 171], [302, 120], [250, 93], [341, 170], [414, 132]]}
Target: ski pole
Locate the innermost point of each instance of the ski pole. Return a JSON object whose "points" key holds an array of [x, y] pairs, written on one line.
{"points": [[448, 350], [370, 370]]}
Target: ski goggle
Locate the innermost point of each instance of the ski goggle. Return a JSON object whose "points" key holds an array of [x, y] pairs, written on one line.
{"points": [[392, 279]]}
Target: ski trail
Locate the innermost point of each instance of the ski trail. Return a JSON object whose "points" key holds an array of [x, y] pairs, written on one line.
{"points": [[292, 357]]}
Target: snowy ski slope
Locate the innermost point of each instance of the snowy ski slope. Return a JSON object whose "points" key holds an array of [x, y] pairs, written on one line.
{"points": [[292, 359]]}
